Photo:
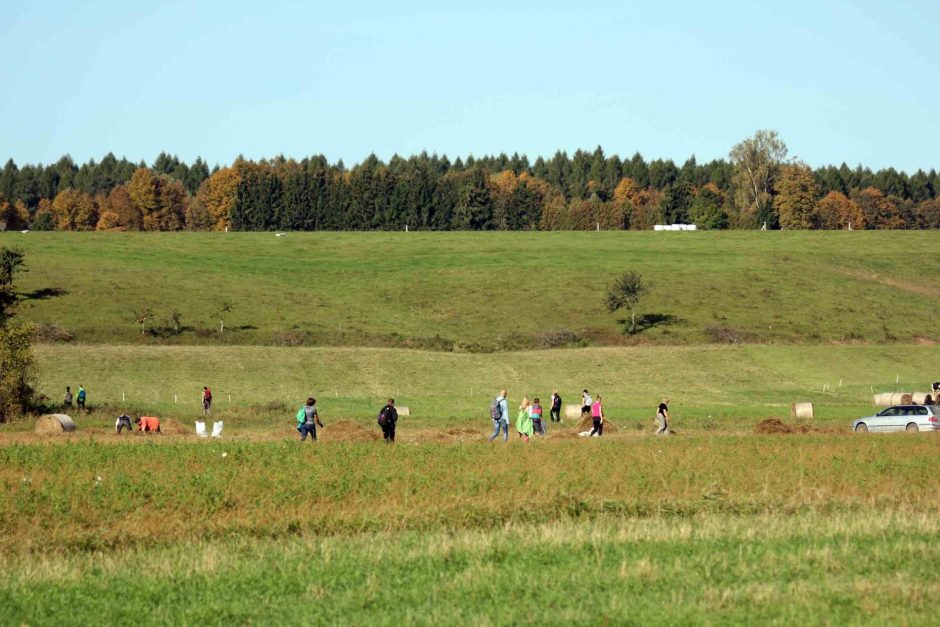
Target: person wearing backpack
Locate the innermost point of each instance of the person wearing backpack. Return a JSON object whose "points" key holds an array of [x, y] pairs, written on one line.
{"points": [[556, 407], [499, 413], [81, 398], [307, 420], [388, 416]]}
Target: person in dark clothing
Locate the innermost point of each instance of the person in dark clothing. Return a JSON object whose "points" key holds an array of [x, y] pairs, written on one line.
{"points": [[68, 397], [556, 407], [388, 417], [123, 422], [81, 398], [307, 419]]}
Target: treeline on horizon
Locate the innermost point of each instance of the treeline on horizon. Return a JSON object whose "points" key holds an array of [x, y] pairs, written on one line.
{"points": [[755, 186]]}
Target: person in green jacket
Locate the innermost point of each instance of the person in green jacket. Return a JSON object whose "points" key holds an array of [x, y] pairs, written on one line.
{"points": [[524, 420], [307, 420]]}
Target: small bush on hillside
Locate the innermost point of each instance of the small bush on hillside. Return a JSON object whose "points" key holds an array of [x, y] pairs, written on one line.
{"points": [[721, 334], [49, 333], [292, 337], [560, 338]]}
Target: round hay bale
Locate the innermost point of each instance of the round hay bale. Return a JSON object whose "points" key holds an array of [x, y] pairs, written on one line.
{"points": [[403, 411], [572, 412], [883, 399], [801, 410], [54, 423], [901, 398], [921, 398]]}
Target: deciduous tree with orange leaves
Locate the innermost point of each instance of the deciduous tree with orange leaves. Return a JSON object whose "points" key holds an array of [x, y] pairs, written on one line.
{"points": [[837, 211]]}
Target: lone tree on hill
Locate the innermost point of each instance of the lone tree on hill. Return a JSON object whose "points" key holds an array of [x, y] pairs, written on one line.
{"points": [[626, 292], [224, 308], [143, 317]]}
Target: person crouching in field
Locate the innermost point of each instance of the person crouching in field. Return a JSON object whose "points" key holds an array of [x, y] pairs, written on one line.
{"points": [[535, 413], [123, 422], [307, 420], [148, 424], [524, 420], [662, 417], [597, 417], [388, 416]]}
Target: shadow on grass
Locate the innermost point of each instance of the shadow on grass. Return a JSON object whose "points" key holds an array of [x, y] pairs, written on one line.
{"points": [[649, 321], [45, 293]]}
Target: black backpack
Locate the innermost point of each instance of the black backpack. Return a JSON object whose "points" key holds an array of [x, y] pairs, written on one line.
{"points": [[385, 415]]}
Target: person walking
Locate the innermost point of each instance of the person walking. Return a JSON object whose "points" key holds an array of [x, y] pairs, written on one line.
{"points": [[662, 417], [524, 420], [597, 417], [68, 397], [388, 416], [535, 413], [81, 398], [307, 420], [206, 400], [556, 407], [586, 403], [499, 412]]}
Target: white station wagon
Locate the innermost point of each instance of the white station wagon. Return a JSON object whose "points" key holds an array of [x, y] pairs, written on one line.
{"points": [[901, 418]]}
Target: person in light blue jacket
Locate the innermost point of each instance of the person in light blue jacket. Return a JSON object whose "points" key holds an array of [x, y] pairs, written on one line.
{"points": [[503, 421]]}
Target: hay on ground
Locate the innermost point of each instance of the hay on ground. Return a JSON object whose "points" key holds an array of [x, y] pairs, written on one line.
{"points": [[774, 426], [587, 423], [348, 431], [54, 423]]}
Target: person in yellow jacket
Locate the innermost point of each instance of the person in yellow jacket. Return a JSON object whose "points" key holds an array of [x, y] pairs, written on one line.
{"points": [[524, 420]]}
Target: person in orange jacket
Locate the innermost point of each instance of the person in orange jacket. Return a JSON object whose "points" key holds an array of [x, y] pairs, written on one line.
{"points": [[148, 424]]}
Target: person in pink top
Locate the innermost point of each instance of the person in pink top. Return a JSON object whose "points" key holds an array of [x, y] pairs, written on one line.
{"points": [[597, 416]]}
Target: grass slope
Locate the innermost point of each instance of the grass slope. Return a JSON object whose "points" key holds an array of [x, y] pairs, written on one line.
{"points": [[483, 291]]}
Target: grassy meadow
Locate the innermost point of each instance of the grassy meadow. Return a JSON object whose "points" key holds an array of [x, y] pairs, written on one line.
{"points": [[716, 525]]}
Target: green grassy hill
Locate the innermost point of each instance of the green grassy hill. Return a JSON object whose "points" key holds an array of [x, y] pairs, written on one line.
{"points": [[483, 291]]}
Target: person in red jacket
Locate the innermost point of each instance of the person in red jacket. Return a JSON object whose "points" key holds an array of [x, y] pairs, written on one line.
{"points": [[148, 424]]}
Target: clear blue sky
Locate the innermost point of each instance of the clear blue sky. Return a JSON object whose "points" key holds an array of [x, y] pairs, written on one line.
{"points": [[841, 81]]}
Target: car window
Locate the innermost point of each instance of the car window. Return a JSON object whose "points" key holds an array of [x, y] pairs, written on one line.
{"points": [[920, 411], [891, 411], [905, 411]]}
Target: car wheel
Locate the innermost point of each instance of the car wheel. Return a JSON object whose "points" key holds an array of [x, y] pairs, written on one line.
{"points": [[861, 428], [911, 427]]}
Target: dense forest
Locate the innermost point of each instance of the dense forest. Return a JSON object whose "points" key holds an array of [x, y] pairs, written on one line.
{"points": [[756, 186]]}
